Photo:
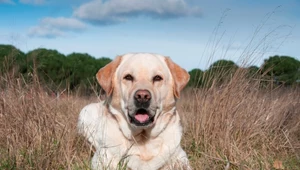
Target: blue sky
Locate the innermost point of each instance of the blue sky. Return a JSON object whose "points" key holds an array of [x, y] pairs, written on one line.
{"points": [[194, 33]]}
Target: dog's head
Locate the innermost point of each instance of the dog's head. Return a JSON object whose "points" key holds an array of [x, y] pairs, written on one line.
{"points": [[142, 86]]}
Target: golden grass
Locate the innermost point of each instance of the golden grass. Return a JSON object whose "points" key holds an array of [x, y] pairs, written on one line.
{"points": [[235, 126], [240, 126], [38, 131]]}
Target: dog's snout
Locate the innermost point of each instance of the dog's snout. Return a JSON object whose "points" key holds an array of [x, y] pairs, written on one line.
{"points": [[142, 96]]}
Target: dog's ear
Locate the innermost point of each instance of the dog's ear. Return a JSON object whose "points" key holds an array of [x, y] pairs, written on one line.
{"points": [[180, 76], [106, 74]]}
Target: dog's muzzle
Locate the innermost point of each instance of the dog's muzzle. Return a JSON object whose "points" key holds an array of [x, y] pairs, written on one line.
{"points": [[142, 116]]}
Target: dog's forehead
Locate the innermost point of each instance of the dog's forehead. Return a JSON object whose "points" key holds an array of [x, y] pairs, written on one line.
{"points": [[143, 62]]}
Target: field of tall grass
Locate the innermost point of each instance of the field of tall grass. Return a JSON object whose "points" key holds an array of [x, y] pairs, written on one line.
{"points": [[245, 123], [234, 126]]}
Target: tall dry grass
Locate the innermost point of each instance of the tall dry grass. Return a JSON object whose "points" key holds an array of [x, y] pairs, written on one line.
{"points": [[234, 126], [240, 125], [37, 130]]}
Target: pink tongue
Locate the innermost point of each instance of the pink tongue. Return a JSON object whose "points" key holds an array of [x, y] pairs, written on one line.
{"points": [[141, 117]]}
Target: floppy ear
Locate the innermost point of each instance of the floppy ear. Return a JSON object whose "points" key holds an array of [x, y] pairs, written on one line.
{"points": [[105, 75], [180, 76]]}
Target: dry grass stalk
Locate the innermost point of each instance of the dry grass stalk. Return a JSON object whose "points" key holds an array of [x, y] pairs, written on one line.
{"points": [[233, 126]]}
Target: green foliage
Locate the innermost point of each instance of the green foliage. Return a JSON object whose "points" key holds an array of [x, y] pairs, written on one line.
{"points": [[49, 65], [220, 72], [77, 71], [54, 70], [282, 69], [196, 78], [10, 57], [253, 72], [82, 69]]}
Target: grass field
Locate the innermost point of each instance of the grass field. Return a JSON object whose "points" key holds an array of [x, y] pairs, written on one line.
{"points": [[233, 126]]}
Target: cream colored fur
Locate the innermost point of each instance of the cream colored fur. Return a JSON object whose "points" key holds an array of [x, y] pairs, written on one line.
{"points": [[107, 126]]}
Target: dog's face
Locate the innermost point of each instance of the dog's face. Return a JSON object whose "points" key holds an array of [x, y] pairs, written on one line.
{"points": [[142, 86]]}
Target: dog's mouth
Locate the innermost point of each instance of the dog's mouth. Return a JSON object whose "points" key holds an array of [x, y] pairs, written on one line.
{"points": [[141, 117]]}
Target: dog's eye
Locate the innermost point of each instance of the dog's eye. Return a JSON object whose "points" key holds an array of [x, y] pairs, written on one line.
{"points": [[128, 77], [157, 78]]}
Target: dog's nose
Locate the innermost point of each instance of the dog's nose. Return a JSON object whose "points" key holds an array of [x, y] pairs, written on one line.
{"points": [[142, 96]]}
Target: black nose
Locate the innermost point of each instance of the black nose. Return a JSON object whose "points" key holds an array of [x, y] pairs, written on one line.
{"points": [[142, 98]]}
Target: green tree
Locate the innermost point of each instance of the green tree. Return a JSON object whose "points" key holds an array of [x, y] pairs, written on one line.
{"points": [[82, 69], [219, 72], [253, 72], [282, 69], [49, 66], [196, 78], [11, 57]]}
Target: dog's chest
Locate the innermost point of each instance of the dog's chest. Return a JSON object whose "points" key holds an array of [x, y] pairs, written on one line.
{"points": [[140, 148], [146, 151]]}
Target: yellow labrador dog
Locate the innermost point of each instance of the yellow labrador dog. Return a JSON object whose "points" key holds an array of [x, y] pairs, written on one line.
{"points": [[137, 127]]}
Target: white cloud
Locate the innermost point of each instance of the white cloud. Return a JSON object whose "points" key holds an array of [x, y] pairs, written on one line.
{"points": [[40, 31], [115, 11], [55, 27], [64, 23], [7, 1], [36, 2]]}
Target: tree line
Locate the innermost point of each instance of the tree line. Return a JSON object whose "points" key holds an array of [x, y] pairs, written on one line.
{"points": [[76, 71], [53, 70], [276, 70]]}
